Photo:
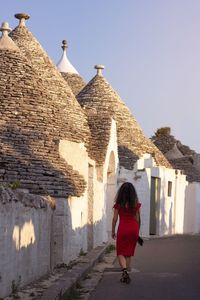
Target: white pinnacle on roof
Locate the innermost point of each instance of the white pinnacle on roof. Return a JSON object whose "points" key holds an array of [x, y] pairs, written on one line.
{"points": [[5, 41], [64, 65]]}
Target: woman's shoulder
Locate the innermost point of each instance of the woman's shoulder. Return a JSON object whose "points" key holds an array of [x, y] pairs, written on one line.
{"points": [[116, 206], [138, 205]]}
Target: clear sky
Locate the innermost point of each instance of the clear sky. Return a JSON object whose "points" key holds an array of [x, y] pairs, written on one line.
{"points": [[150, 49]]}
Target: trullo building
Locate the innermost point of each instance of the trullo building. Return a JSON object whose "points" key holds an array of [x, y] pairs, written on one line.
{"points": [[66, 146]]}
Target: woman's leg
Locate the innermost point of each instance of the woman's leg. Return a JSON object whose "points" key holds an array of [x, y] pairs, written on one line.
{"points": [[128, 262], [122, 261]]}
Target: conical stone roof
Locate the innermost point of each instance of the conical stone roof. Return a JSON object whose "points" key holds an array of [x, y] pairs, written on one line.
{"points": [[180, 156], [28, 140], [73, 123], [99, 95], [69, 73]]}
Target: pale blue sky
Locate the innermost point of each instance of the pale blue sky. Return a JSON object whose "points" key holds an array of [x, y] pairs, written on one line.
{"points": [[150, 49]]}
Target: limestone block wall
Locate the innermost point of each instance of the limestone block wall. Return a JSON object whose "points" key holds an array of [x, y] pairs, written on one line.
{"points": [[25, 223], [192, 208]]}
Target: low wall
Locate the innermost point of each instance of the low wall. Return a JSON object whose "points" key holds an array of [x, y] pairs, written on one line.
{"points": [[25, 225]]}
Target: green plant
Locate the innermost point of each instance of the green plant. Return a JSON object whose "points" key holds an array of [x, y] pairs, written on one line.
{"points": [[110, 248], [15, 287], [73, 295], [14, 185], [82, 253], [162, 131]]}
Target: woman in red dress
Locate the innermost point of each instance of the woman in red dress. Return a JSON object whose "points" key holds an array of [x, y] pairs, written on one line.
{"points": [[127, 208]]}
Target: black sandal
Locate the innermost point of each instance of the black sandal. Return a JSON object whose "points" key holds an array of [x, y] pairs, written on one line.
{"points": [[125, 277]]}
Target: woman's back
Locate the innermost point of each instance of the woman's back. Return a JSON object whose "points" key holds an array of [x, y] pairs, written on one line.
{"points": [[126, 213]]}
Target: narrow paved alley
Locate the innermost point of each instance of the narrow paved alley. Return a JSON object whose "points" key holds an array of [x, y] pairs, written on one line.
{"points": [[163, 269]]}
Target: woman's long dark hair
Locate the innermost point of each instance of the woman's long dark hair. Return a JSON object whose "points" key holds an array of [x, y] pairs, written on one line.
{"points": [[126, 196]]}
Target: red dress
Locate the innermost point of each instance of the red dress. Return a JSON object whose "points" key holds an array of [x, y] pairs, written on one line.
{"points": [[128, 230]]}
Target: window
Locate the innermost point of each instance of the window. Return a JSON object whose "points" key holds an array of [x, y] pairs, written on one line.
{"points": [[169, 190]]}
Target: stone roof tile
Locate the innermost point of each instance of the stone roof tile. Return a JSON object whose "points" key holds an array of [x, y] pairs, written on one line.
{"points": [[75, 82], [29, 142], [168, 144], [73, 122]]}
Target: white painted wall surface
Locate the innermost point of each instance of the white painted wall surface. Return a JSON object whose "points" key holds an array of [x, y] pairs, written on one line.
{"points": [[190, 205], [180, 202], [141, 182], [25, 244], [75, 155], [197, 228], [171, 209], [192, 208], [72, 216], [110, 173]]}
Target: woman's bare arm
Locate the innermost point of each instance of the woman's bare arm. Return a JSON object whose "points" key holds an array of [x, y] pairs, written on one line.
{"points": [[137, 216], [114, 221]]}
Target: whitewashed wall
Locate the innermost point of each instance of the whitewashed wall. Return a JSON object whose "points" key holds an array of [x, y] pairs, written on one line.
{"points": [[181, 185], [24, 244], [141, 181], [171, 209], [110, 173], [192, 208], [72, 216]]}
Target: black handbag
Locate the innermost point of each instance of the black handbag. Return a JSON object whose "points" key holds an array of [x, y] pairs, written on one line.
{"points": [[140, 241]]}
